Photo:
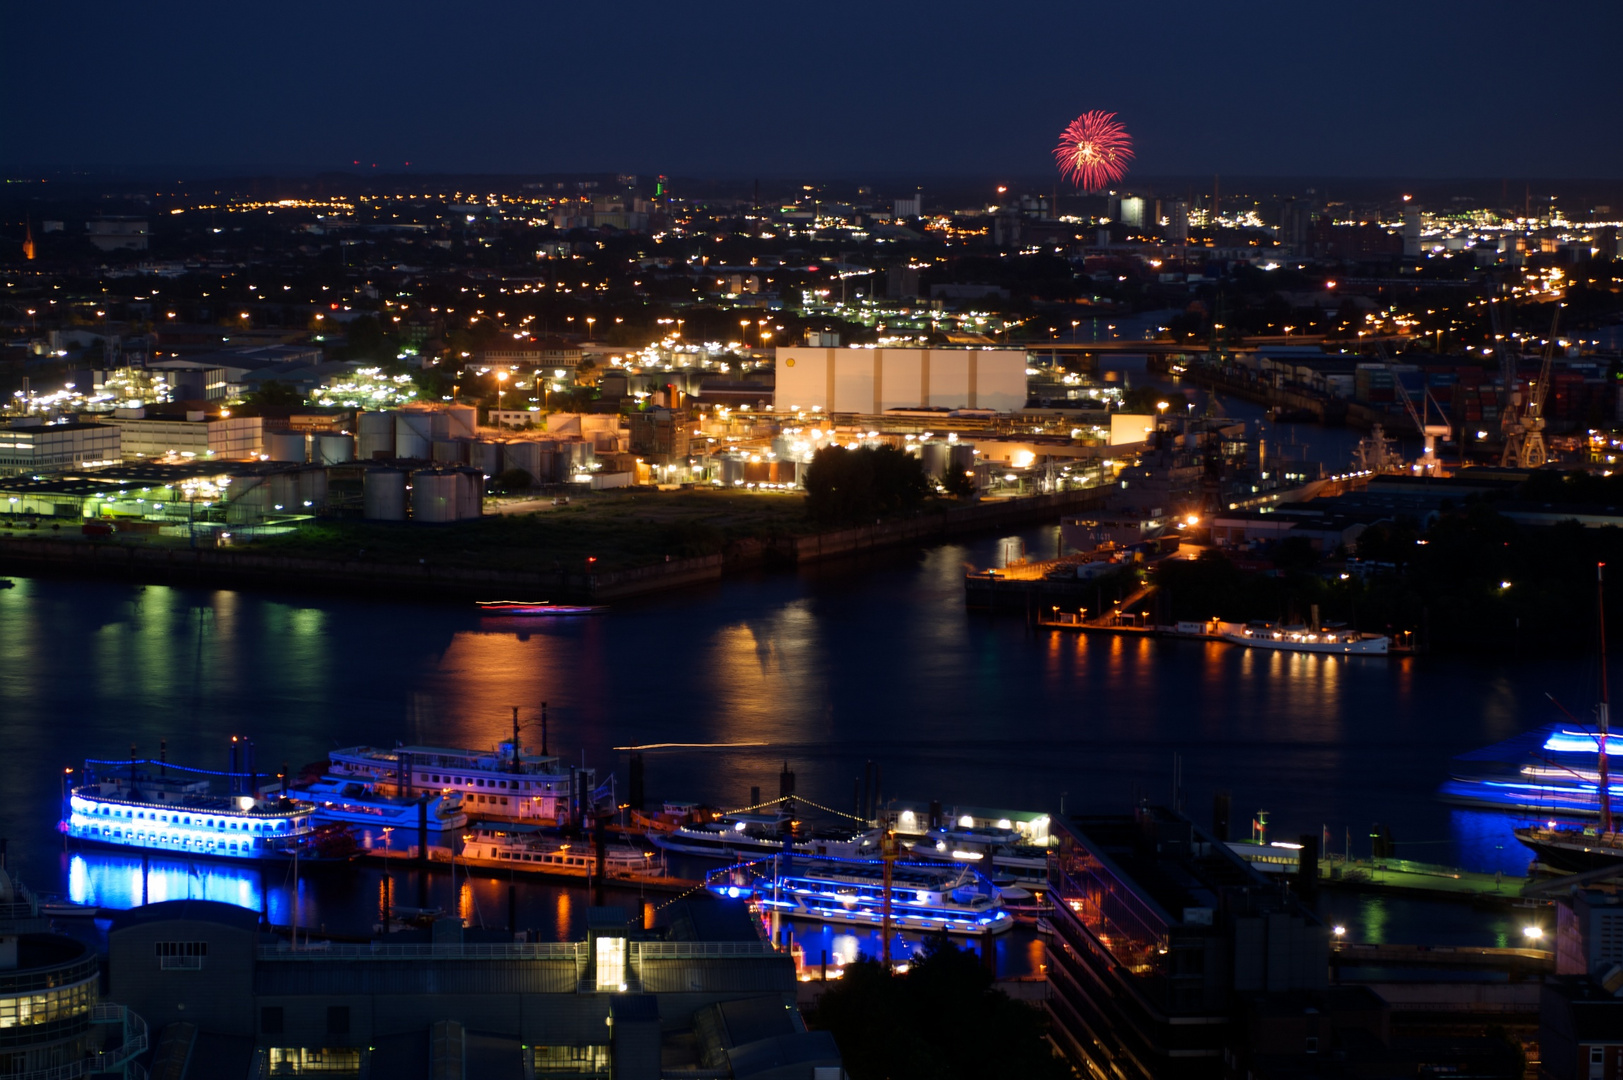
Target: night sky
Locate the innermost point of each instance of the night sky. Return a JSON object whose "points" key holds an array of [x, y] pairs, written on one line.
{"points": [[1418, 88]]}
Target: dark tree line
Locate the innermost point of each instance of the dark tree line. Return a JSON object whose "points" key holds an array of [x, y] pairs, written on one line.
{"points": [[850, 486]]}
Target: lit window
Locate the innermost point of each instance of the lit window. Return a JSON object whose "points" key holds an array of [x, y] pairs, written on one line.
{"points": [[611, 963]]}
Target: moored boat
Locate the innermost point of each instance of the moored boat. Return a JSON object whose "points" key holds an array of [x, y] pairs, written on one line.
{"points": [[156, 806], [508, 782], [925, 897], [530, 849], [752, 835], [1306, 639], [351, 803], [536, 609]]}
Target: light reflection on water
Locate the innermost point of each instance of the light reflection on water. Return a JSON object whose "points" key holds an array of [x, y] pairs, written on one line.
{"points": [[830, 667]]}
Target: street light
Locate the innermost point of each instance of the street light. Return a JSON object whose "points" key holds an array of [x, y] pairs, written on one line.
{"points": [[590, 319], [501, 379], [744, 330]]}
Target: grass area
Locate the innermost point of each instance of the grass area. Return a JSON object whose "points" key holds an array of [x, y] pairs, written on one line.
{"points": [[622, 529]]}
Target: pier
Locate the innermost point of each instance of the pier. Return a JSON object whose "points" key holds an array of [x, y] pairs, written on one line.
{"points": [[442, 859]]}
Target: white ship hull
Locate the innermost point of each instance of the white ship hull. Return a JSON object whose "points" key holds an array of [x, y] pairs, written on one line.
{"points": [[1365, 645]]}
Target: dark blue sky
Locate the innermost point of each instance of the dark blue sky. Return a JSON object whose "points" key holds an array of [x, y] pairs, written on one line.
{"points": [[1417, 88]]}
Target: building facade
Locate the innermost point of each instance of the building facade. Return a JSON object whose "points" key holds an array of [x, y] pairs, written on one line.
{"points": [[49, 448]]}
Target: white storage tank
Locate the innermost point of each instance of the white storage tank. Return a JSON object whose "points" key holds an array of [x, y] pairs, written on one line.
{"points": [[334, 449], [286, 446], [376, 435], [385, 495], [732, 470], [523, 455], [935, 458], [961, 456], [414, 435], [470, 494], [312, 490], [486, 457], [433, 497], [451, 451], [462, 421], [551, 467]]}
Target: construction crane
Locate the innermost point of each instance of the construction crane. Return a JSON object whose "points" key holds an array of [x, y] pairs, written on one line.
{"points": [[1523, 422]]}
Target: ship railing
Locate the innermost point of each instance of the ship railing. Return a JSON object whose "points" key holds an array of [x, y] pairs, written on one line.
{"points": [[686, 950], [546, 950], [21, 909]]}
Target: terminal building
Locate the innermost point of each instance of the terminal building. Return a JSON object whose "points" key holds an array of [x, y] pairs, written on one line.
{"points": [[53, 1023], [703, 996]]}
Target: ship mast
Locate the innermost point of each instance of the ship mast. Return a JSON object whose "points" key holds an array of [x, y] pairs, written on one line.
{"points": [[1602, 709]]}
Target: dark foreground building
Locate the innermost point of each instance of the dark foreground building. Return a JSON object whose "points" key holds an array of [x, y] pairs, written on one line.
{"points": [[702, 996], [1172, 958]]}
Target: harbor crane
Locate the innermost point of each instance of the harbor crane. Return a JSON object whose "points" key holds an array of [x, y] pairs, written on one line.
{"points": [[1429, 465], [1522, 422]]}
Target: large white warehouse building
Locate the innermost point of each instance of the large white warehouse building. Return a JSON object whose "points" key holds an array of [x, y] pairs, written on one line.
{"points": [[872, 380]]}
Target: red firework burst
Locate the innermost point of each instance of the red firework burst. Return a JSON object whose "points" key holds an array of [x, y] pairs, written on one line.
{"points": [[1094, 151]]}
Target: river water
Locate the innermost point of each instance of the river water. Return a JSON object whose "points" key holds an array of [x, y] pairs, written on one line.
{"points": [[823, 669]]}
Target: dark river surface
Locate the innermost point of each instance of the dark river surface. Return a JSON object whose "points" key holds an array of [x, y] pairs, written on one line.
{"points": [[824, 669]]}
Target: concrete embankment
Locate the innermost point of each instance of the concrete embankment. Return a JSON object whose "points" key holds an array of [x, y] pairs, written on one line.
{"points": [[245, 567]]}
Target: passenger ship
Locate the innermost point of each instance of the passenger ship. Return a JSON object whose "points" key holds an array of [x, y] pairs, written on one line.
{"points": [[923, 896], [526, 848], [503, 783], [1000, 854], [349, 802], [155, 806], [755, 835]]}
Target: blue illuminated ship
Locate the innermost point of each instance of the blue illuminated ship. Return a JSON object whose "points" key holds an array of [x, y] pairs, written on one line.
{"points": [[155, 806], [1554, 770], [926, 897]]}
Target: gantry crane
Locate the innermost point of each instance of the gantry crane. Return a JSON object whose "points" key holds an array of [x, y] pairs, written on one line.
{"points": [[1429, 432]]}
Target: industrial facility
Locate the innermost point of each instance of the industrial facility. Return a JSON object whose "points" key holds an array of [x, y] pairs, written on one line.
{"points": [[872, 381]]}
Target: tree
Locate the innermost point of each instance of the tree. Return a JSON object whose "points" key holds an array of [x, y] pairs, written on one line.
{"points": [[959, 483], [275, 394], [857, 485], [511, 480], [943, 1020]]}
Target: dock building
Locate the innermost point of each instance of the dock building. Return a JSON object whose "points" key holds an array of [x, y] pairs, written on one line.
{"points": [[703, 995], [53, 1023]]}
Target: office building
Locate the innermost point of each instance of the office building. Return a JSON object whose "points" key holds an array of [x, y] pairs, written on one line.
{"points": [[39, 448]]}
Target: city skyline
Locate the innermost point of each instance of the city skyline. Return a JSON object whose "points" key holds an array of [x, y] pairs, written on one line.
{"points": [[1267, 89]]}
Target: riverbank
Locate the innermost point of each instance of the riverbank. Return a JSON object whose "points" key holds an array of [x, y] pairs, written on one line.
{"points": [[437, 561]]}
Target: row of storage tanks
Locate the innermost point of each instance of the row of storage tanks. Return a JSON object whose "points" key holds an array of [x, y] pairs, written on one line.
{"points": [[435, 495], [548, 461]]}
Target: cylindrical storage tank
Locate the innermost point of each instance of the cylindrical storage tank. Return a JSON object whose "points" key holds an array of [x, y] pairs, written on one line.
{"points": [[470, 494], [414, 435], [550, 467], [523, 455], [935, 459], [486, 457], [732, 471], [312, 490], [757, 472], [376, 435], [285, 446], [961, 456], [462, 421], [452, 451], [433, 497], [385, 495], [334, 449]]}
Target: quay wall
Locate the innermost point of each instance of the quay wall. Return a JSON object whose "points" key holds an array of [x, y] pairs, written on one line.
{"points": [[137, 562]]}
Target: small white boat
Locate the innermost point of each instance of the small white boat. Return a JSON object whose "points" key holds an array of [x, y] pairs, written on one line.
{"points": [[1304, 639], [529, 849], [754, 835]]}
